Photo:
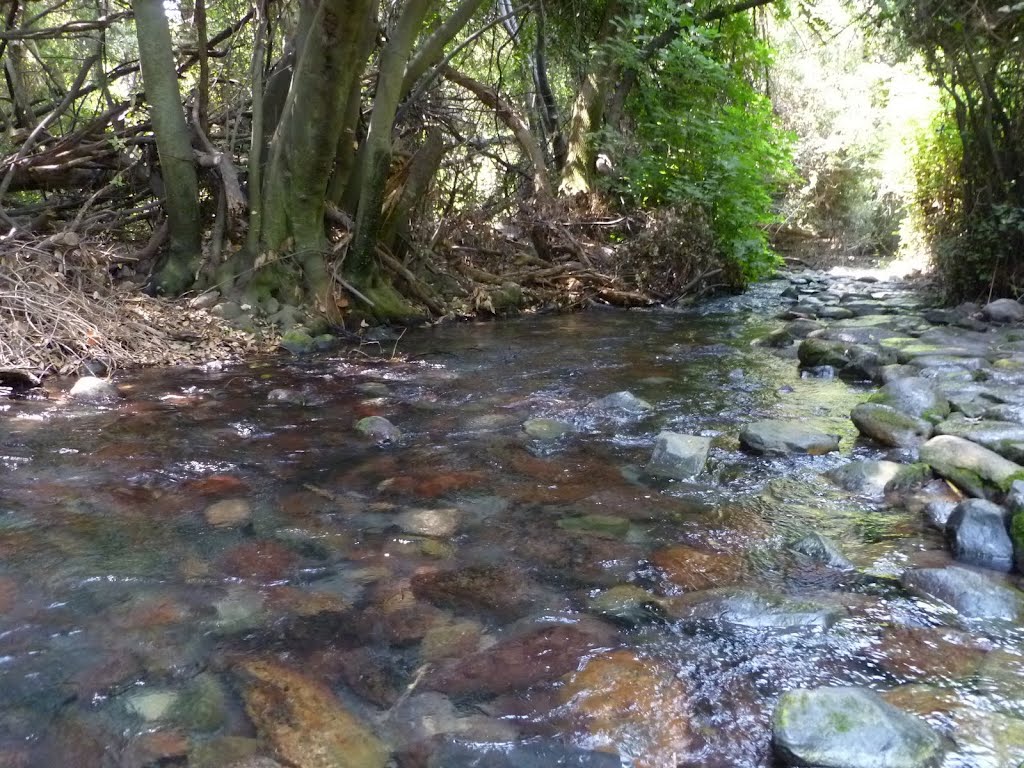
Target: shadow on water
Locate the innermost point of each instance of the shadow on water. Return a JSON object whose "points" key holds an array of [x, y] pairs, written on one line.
{"points": [[469, 581]]}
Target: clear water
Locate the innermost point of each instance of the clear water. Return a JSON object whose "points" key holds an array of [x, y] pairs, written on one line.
{"points": [[117, 595]]}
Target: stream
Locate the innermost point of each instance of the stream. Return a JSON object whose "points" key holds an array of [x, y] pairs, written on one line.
{"points": [[202, 575]]}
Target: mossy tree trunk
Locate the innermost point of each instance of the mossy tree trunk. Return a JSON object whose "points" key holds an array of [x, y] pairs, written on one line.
{"points": [[303, 147], [174, 147]]}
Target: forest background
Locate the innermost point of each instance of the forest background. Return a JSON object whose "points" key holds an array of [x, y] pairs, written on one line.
{"points": [[313, 165]]}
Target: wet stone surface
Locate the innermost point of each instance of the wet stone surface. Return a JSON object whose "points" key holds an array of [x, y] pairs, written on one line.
{"points": [[476, 558]]}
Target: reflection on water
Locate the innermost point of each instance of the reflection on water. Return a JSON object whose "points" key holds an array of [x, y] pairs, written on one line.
{"points": [[166, 563]]}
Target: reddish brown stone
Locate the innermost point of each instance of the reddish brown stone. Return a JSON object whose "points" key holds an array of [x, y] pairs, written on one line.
{"points": [[914, 653], [155, 748], [516, 663], [693, 569], [497, 591], [263, 559], [217, 485]]}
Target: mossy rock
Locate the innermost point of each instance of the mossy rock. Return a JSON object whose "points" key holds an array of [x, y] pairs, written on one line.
{"points": [[1017, 537]]}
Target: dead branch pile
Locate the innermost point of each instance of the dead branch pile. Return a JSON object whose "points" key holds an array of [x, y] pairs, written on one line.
{"points": [[60, 307], [567, 260]]}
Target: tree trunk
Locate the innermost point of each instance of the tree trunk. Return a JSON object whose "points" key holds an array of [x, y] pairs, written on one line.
{"points": [[376, 155], [304, 144], [174, 147]]}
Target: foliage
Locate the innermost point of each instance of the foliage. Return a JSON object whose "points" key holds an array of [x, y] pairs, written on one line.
{"points": [[975, 216], [703, 135]]}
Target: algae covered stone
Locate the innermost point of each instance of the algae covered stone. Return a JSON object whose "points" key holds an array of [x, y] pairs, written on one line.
{"points": [[848, 727], [787, 437], [973, 468]]}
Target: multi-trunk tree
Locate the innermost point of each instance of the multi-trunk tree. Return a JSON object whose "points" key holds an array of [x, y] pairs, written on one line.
{"points": [[300, 137]]}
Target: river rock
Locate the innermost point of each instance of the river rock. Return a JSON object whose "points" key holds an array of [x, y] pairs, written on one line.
{"points": [[441, 523], [756, 609], [869, 478], [621, 401], [978, 536], [603, 526], [849, 727], [970, 593], [938, 512], [787, 437], [1003, 311], [822, 550], [304, 722], [852, 361], [1004, 412], [886, 425], [896, 371], [914, 396], [228, 513], [622, 699], [627, 604], [516, 663], [424, 716], [547, 429], [493, 590], [694, 569], [460, 754], [975, 469], [378, 429], [92, 389], [1004, 437], [678, 456]]}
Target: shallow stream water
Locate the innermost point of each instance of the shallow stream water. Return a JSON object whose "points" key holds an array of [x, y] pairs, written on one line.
{"points": [[127, 607]]}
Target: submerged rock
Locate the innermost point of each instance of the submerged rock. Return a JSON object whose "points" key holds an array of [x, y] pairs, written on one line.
{"points": [[757, 609], [621, 401], [975, 469], [822, 550], [678, 456], [379, 429], [865, 477], [547, 429], [460, 754], [978, 536], [604, 526], [851, 728], [970, 593], [888, 426], [304, 722], [92, 389], [228, 513], [787, 437]]}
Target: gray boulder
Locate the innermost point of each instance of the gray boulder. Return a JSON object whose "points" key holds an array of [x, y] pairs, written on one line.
{"points": [[851, 728], [977, 532], [1004, 437], [756, 609], [379, 429], [1003, 311], [787, 437], [92, 389], [865, 477], [678, 456], [621, 401], [973, 468], [914, 396], [888, 426], [852, 361], [970, 593], [822, 550], [547, 429]]}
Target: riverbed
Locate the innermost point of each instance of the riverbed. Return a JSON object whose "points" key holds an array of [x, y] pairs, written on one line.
{"points": [[202, 572]]}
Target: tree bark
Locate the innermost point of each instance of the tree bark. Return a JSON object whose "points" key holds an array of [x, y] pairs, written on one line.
{"points": [[174, 147], [376, 155], [304, 144]]}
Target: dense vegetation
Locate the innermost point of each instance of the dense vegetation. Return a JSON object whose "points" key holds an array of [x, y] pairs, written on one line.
{"points": [[450, 156], [331, 152]]}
